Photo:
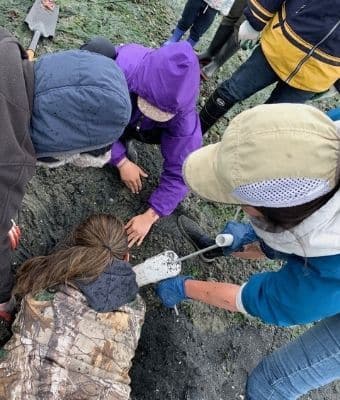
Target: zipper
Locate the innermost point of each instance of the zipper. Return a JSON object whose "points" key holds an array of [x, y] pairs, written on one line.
{"points": [[310, 53], [300, 9]]}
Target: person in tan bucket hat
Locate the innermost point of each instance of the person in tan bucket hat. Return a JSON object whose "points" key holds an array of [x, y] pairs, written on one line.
{"points": [[265, 147], [281, 164]]}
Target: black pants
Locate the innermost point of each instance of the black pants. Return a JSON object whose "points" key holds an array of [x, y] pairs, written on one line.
{"points": [[226, 35], [198, 16]]}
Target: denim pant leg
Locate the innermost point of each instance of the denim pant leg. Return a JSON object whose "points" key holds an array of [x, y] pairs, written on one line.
{"points": [[252, 76], [283, 93], [202, 22], [307, 363], [190, 13]]}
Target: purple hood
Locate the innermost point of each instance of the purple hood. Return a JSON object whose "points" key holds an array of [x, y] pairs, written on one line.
{"points": [[167, 77]]}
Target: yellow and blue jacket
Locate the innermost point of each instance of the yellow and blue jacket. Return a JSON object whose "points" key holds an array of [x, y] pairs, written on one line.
{"points": [[300, 39]]}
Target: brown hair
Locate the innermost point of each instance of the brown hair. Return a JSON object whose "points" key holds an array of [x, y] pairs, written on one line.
{"points": [[288, 217], [92, 246]]}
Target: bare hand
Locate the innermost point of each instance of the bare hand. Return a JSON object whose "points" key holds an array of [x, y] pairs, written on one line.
{"points": [[131, 175], [250, 252], [138, 227]]}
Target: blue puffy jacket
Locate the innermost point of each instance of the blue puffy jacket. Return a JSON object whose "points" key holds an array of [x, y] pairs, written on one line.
{"points": [[81, 103]]}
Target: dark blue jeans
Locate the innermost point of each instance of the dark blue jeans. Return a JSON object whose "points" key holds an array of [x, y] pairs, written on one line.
{"points": [[198, 16], [309, 362], [255, 74]]}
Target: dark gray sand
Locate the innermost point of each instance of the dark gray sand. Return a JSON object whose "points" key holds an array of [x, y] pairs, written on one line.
{"points": [[204, 353]]}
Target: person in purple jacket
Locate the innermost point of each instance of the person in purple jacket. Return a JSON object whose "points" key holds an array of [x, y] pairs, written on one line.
{"points": [[164, 87]]}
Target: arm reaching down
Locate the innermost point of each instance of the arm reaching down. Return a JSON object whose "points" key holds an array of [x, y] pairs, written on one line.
{"points": [[299, 293], [174, 290], [139, 226], [182, 137], [172, 188], [131, 174]]}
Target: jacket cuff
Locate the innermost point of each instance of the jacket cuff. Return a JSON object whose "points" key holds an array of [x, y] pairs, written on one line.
{"points": [[118, 152], [116, 160], [256, 19], [157, 210], [239, 303], [255, 24]]}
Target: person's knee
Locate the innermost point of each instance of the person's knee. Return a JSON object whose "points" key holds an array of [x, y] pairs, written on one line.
{"points": [[226, 92], [100, 45], [258, 384], [238, 87]]}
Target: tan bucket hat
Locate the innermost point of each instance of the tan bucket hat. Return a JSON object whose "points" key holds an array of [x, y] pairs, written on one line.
{"points": [[153, 112], [274, 155]]}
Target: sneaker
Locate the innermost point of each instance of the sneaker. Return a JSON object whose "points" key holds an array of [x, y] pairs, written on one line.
{"points": [[196, 236]]}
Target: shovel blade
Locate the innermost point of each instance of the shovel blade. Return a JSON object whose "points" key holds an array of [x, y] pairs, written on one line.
{"points": [[42, 20]]}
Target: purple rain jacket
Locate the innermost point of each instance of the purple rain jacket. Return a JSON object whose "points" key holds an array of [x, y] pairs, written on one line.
{"points": [[168, 78]]}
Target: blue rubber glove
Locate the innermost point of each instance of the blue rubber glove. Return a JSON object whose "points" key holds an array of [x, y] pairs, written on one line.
{"points": [[334, 114], [171, 291], [243, 234]]}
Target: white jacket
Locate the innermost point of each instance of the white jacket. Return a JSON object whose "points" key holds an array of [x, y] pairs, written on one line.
{"points": [[316, 236]]}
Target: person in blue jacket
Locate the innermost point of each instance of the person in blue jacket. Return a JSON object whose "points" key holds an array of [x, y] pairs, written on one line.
{"points": [[279, 162]]}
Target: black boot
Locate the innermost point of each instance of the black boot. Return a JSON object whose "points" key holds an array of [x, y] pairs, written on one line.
{"points": [[228, 50], [195, 235], [213, 110], [208, 70], [205, 57], [221, 37]]}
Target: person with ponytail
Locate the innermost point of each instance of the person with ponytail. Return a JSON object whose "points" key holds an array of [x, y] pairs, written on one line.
{"points": [[280, 163], [80, 319]]}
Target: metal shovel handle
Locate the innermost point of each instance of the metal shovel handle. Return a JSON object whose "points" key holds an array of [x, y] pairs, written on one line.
{"points": [[222, 240]]}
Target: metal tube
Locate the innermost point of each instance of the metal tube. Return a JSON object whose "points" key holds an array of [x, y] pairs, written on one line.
{"points": [[196, 253]]}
